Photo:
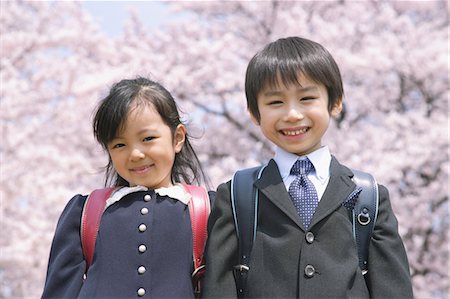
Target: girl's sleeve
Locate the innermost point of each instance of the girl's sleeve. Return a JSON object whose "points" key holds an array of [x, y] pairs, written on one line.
{"points": [[388, 275], [66, 263], [221, 251]]}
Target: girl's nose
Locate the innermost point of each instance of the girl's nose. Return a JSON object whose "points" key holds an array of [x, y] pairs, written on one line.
{"points": [[136, 155]]}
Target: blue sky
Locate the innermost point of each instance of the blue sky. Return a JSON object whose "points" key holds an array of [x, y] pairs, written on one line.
{"points": [[111, 15]]}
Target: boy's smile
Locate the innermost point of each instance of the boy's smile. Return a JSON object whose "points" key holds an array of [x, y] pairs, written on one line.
{"points": [[295, 116], [295, 132]]}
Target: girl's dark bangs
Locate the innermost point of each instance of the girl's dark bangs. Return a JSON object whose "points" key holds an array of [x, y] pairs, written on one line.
{"points": [[112, 121]]}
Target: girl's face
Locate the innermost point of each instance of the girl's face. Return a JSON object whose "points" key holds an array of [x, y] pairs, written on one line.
{"points": [[143, 152]]}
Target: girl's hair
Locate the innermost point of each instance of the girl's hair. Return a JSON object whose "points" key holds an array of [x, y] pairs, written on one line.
{"points": [[287, 57], [112, 113]]}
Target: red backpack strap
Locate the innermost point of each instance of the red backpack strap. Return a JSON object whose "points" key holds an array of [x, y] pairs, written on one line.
{"points": [[90, 221], [199, 208]]}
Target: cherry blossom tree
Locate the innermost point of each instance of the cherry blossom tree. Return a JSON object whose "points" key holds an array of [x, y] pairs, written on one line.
{"points": [[56, 63], [49, 53]]}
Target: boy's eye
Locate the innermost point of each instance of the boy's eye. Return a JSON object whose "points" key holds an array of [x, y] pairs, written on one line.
{"points": [[149, 138]]}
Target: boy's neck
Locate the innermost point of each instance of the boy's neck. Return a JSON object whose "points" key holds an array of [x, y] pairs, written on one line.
{"points": [[279, 152], [320, 158]]}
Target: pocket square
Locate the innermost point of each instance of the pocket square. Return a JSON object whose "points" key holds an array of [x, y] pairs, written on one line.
{"points": [[350, 202]]}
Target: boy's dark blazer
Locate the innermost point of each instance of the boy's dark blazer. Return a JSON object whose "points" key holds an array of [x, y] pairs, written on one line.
{"points": [[289, 262]]}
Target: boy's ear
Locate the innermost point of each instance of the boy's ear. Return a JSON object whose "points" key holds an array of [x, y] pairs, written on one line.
{"points": [[337, 108], [179, 137]]}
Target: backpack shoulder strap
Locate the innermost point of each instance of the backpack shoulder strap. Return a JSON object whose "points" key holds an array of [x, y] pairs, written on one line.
{"points": [[90, 221], [199, 208], [365, 215], [244, 202]]}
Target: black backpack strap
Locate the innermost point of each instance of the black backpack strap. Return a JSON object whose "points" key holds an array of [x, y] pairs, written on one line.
{"points": [[364, 215], [244, 201]]}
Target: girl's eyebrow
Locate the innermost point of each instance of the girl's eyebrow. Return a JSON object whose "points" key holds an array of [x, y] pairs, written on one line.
{"points": [[147, 131], [308, 89], [117, 137]]}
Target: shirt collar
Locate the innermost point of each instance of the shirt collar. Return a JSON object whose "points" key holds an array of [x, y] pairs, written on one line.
{"points": [[176, 192], [320, 158]]}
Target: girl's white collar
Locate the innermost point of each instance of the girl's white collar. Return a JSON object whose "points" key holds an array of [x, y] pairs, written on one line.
{"points": [[176, 192]]}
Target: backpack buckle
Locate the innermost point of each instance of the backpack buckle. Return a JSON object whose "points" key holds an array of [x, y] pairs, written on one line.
{"points": [[241, 268], [240, 275]]}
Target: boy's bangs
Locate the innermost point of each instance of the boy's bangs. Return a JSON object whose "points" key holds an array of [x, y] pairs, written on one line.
{"points": [[283, 74]]}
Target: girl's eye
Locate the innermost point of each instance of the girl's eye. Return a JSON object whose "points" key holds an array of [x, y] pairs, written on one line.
{"points": [[275, 102], [307, 98], [118, 145]]}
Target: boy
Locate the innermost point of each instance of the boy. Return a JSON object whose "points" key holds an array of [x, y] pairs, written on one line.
{"points": [[302, 250]]}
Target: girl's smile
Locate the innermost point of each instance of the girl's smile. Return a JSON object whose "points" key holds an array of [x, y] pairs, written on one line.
{"points": [[141, 169]]}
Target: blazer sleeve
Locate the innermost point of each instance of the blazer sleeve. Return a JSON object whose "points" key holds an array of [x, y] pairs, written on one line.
{"points": [[388, 275], [66, 263], [221, 251]]}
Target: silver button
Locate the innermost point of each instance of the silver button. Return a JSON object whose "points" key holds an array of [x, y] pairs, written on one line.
{"points": [[309, 237], [147, 197], [141, 270], [144, 211], [141, 292], [142, 248], [309, 271], [142, 227]]}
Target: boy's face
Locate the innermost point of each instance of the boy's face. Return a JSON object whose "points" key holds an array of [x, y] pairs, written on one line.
{"points": [[295, 117]]}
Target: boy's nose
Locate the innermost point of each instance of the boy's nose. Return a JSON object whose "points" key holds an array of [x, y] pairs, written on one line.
{"points": [[294, 114], [136, 155]]}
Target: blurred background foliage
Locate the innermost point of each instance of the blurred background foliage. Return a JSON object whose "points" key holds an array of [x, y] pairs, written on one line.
{"points": [[57, 62]]}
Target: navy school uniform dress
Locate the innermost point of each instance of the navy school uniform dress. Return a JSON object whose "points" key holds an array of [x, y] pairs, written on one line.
{"points": [[143, 249]]}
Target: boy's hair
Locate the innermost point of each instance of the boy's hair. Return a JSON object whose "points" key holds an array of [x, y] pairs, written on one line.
{"points": [[288, 58], [111, 115]]}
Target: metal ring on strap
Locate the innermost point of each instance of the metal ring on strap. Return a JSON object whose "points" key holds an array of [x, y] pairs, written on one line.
{"points": [[363, 218]]}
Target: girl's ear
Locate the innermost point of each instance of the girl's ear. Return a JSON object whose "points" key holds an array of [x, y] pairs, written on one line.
{"points": [[179, 137], [253, 118], [337, 108]]}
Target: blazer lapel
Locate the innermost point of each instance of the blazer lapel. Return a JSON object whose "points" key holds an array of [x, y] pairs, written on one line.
{"points": [[271, 186], [339, 188]]}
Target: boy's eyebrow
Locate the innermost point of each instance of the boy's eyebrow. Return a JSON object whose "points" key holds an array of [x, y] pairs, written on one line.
{"points": [[276, 92], [272, 93]]}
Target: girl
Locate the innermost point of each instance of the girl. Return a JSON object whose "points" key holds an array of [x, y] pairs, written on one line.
{"points": [[144, 243]]}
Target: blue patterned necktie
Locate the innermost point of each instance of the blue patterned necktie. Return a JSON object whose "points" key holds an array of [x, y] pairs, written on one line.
{"points": [[302, 191]]}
